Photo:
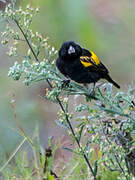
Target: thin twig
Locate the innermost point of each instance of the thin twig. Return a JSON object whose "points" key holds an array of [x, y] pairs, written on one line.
{"points": [[76, 139], [59, 102], [26, 40], [13, 154]]}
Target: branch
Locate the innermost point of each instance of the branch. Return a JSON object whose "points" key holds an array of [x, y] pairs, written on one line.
{"points": [[26, 40], [59, 102]]}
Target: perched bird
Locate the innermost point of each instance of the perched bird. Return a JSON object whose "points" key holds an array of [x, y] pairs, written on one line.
{"points": [[81, 65]]}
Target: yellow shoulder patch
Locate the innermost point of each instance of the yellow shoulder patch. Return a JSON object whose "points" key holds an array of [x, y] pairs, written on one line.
{"points": [[90, 61], [85, 60], [95, 58]]}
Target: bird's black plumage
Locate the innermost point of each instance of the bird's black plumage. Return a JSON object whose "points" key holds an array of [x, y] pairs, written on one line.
{"points": [[81, 65]]}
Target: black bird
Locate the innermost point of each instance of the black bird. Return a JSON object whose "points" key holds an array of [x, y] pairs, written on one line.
{"points": [[81, 65]]}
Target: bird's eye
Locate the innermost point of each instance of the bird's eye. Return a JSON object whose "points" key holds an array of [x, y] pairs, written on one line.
{"points": [[71, 50]]}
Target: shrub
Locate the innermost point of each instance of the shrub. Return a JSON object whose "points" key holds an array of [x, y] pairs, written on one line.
{"points": [[104, 132]]}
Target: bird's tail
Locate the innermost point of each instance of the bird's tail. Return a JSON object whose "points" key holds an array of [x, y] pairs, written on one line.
{"points": [[109, 79]]}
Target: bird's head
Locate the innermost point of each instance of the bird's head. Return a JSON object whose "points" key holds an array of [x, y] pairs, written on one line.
{"points": [[70, 50]]}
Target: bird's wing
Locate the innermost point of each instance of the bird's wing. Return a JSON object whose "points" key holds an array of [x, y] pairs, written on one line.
{"points": [[92, 62]]}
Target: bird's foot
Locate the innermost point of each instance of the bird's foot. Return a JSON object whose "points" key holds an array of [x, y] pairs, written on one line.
{"points": [[92, 93], [91, 96], [65, 83]]}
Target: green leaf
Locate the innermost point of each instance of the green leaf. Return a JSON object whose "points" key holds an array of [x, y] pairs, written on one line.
{"points": [[95, 167], [80, 132], [70, 150]]}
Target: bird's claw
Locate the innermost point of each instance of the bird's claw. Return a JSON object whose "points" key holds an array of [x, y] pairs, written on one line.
{"points": [[65, 83], [92, 95]]}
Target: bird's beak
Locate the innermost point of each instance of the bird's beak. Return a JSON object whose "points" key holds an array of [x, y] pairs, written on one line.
{"points": [[71, 50]]}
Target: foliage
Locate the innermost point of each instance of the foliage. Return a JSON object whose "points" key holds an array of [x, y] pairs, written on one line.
{"points": [[104, 132]]}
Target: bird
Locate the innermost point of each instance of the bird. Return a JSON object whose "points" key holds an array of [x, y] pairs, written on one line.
{"points": [[81, 65]]}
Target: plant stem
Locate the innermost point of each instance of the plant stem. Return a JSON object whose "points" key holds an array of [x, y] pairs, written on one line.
{"points": [[59, 102], [26, 40], [76, 139]]}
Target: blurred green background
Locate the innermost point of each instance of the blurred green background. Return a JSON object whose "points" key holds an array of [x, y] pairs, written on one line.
{"points": [[106, 27]]}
